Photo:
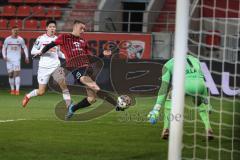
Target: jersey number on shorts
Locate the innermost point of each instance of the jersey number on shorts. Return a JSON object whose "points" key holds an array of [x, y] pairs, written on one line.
{"points": [[78, 75]]}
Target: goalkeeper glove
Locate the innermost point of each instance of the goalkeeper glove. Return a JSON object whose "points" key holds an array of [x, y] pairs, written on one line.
{"points": [[153, 116]]}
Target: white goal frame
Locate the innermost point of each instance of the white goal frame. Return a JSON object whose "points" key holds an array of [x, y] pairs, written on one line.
{"points": [[180, 51]]}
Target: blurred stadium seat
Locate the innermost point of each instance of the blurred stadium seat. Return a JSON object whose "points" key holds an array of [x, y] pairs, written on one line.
{"points": [[3, 23], [61, 2], [9, 11], [87, 15], [46, 1], [15, 1], [23, 11], [31, 1], [43, 24], [86, 5], [38, 11], [166, 19], [15, 22], [31, 24], [54, 12], [220, 12]]}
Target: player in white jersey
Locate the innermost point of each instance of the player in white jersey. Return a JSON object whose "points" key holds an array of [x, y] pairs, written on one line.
{"points": [[11, 51], [49, 65]]}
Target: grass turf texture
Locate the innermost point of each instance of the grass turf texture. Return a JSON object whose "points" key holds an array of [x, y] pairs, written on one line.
{"points": [[36, 133]]}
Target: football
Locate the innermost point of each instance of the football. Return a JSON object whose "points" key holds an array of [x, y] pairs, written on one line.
{"points": [[124, 101]]}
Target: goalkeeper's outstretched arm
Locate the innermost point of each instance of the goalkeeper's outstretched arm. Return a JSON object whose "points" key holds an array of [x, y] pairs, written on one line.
{"points": [[163, 91], [162, 95]]}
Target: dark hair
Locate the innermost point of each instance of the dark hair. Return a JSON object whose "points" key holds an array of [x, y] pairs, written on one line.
{"points": [[78, 22], [51, 21]]}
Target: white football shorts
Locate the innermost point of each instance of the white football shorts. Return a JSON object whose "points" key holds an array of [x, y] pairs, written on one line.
{"points": [[13, 66], [44, 74]]}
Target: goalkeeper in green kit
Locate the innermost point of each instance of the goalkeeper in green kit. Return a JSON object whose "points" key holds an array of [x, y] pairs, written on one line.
{"points": [[194, 87]]}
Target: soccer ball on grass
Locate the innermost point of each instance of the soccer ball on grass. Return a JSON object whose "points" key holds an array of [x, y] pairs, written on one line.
{"points": [[123, 102]]}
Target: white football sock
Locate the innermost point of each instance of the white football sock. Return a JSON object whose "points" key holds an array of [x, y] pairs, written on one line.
{"points": [[11, 82], [17, 83], [33, 93], [66, 96]]}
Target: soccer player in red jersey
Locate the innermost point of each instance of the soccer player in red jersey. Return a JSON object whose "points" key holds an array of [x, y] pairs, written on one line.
{"points": [[76, 52]]}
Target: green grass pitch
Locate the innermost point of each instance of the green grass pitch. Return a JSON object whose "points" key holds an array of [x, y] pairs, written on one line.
{"points": [[36, 133]]}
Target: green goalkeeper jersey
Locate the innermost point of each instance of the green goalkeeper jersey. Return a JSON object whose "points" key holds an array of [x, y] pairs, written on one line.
{"points": [[194, 79]]}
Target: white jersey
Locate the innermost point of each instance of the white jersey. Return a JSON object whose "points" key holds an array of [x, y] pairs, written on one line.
{"points": [[12, 48], [51, 58]]}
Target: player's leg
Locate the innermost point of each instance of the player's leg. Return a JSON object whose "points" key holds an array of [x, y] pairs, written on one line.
{"points": [[166, 118], [43, 78], [59, 77], [16, 75], [204, 114], [87, 81], [11, 83], [10, 70], [205, 99], [90, 99], [197, 89], [17, 79], [65, 93], [204, 108], [36, 92], [92, 88]]}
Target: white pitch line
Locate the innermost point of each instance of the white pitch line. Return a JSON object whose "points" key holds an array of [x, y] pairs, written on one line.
{"points": [[11, 120], [54, 120], [22, 119]]}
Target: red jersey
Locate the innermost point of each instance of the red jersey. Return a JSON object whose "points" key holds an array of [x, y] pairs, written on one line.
{"points": [[75, 50]]}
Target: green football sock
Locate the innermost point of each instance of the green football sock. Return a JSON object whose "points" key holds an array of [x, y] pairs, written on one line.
{"points": [[167, 112], [203, 112]]}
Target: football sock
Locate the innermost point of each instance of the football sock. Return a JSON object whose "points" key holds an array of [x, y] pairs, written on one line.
{"points": [[17, 83], [167, 112], [82, 104], [11, 82], [202, 109], [166, 118], [33, 93], [66, 96]]}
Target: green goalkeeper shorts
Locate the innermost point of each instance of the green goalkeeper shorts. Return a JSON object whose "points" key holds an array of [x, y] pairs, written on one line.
{"points": [[195, 86]]}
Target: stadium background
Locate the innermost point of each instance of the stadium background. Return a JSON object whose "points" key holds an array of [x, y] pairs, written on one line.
{"points": [[149, 26]]}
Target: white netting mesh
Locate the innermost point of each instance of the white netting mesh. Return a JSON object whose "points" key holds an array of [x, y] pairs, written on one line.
{"points": [[214, 39]]}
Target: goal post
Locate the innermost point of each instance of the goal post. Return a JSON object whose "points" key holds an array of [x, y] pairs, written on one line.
{"points": [[210, 31], [180, 51]]}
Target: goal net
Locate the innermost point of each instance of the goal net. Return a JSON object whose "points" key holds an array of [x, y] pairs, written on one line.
{"points": [[214, 38]]}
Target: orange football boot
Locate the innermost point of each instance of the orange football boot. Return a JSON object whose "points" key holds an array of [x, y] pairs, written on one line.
{"points": [[25, 101]]}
